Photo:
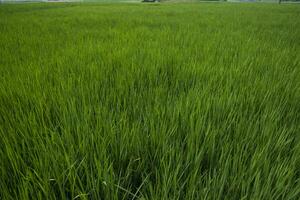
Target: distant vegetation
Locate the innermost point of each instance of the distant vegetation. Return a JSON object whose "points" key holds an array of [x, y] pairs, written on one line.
{"points": [[149, 101], [142, 1]]}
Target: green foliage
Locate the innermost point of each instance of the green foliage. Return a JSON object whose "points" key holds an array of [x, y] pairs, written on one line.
{"points": [[149, 101]]}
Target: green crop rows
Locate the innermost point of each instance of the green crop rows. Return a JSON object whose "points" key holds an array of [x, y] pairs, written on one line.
{"points": [[149, 101]]}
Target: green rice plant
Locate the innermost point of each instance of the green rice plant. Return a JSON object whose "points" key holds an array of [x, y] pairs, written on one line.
{"points": [[149, 101]]}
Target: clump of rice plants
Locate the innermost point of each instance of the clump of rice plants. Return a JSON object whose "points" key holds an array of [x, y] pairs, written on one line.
{"points": [[135, 101]]}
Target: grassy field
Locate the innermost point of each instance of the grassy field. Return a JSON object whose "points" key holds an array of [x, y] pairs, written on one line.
{"points": [[150, 101]]}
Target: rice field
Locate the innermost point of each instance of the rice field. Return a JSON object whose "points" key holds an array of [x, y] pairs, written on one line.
{"points": [[149, 101]]}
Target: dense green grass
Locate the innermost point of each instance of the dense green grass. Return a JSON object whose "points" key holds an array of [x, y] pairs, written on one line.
{"points": [[142, 101]]}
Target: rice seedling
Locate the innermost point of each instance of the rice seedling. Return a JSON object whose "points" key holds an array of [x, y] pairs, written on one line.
{"points": [[149, 101]]}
